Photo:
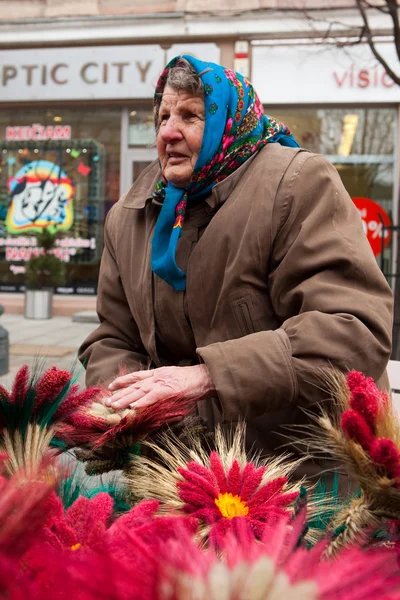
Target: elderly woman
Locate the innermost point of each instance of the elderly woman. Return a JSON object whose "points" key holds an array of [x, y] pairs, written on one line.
{"points": [[235, 268]]}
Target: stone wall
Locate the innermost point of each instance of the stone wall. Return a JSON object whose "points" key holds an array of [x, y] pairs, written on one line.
{"points": [[34, 9]]}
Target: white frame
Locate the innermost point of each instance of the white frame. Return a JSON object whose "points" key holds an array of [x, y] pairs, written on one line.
{"points": [[130, 155]]}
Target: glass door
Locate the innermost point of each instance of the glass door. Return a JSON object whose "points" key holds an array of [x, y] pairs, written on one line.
{"points": [[137, 145], [135, 162]]}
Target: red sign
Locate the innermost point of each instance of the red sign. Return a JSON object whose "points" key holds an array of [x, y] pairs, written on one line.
{"points": [[373, 226], [38, 132]]}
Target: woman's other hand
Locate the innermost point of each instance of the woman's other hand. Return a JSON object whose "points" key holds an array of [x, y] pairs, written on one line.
{"points": [[143, 388]]}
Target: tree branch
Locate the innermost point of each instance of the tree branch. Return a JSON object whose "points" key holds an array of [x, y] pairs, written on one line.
{"points": [[394, 13], [370, 39]]}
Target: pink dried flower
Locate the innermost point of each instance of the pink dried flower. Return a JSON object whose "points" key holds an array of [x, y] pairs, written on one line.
{"points": [[82, 526]]}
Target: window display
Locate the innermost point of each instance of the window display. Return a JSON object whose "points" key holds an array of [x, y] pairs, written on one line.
{"points": [[59, 171], [360, 142]]}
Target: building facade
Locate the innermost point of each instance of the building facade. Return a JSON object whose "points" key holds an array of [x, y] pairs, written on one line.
{"points": [[76, 86]]}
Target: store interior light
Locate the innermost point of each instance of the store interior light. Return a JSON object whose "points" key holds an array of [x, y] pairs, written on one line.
{"points": [[349, 127], [57, 119], [133, 113]]}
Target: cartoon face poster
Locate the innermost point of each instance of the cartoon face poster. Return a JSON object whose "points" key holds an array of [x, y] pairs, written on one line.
{"points": [[41, 196]]}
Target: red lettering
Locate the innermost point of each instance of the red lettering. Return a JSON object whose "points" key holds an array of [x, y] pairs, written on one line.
{"points": [[62, 132], [363, 78], [387, 81], [339, 81], [11, 254], [351, 76], [10, 133]]}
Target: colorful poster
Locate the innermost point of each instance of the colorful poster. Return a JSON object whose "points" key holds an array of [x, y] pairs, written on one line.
{"points": [[41, 196]]}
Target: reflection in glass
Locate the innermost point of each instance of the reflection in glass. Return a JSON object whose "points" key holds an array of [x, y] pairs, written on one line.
{"points": [[360, 142]]}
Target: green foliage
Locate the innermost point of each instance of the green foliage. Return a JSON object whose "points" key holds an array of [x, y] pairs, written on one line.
{"points": [[76, 485], [46, 239], [45, 271]]}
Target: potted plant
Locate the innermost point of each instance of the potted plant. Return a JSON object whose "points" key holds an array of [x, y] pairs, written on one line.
{"points": [[42, 274]]}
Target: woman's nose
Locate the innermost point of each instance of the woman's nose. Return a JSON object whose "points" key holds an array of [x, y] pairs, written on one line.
{"points": [[171, 131]]}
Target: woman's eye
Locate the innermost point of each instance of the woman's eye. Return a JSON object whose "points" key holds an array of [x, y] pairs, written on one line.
{"points": [[164, 118]]}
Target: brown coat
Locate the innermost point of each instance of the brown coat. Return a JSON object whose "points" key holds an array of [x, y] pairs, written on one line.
{"points": [[280, 283]]}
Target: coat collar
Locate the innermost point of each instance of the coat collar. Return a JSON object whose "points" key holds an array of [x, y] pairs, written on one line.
{"points": [[140, 193]]}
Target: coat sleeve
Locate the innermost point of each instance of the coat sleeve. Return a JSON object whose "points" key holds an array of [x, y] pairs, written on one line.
{"points": [[333, 302], [116, 342]]}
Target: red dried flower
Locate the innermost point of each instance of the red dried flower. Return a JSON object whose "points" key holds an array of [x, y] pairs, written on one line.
{"points": [[221, 488], [20, 386], [385, 453], [354, 379], [75, 401], [214, 495], [355, 428], [50, 385]]}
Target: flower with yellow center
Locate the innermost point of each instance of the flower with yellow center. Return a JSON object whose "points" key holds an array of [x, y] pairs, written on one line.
{"points": [[231, 506], [224, 490], [75, 547]]}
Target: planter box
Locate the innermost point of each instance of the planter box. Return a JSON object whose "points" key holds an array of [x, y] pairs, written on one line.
{"points": [[38, 304]]}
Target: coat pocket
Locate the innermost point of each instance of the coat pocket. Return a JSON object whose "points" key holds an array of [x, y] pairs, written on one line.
{"points": [[242, 310]]}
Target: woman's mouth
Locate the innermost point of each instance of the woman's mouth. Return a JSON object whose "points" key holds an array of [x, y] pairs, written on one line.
{"points": [[175, 157]]}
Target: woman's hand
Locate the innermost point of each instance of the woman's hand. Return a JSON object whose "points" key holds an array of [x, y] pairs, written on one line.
{"points": [[143, 388]]}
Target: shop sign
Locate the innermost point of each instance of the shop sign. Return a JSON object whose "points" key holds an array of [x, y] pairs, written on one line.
{"points": [[323, 73], [374, 219], [41, 195], [93, 72], [22, 248], [38, 132]]}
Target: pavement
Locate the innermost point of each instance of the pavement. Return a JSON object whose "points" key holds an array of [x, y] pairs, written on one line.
{"points": [[51, 341]]}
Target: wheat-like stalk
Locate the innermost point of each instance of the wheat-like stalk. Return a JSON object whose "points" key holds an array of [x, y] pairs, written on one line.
{"points": [[352, 524], [25, 452]]}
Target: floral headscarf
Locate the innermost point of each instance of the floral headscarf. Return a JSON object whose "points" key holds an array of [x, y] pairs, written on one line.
{"points": [[235, 128]]}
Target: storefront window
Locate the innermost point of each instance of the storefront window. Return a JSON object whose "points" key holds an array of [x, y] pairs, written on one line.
{"points": [[141, 128], [360, 143], [58, 169]]}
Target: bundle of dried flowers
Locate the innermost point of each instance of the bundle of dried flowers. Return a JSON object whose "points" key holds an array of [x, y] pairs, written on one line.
{"points": [[108, 439], [33, 413], [220, 488], [362, 432], [271, 569]]}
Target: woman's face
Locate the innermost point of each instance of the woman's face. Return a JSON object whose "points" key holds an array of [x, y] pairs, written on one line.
{"points": [[181, 126]]}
